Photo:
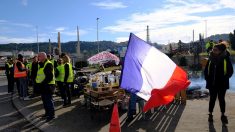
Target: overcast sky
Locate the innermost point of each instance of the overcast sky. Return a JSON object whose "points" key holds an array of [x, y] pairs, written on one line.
{"points": [[168, 20]]}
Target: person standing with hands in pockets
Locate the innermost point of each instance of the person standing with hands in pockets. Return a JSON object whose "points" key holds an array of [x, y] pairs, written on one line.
{"points": [[45, 80], [217, 72]]}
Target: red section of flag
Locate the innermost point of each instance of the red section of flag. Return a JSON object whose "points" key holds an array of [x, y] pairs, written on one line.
{"points": [[114, 124], [177, 82]]}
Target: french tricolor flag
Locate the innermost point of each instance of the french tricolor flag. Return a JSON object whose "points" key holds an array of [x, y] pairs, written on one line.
{"points": [[151, 74]]}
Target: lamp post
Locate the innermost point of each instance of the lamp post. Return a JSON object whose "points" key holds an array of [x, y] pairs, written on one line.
{"points": [[37, 38], [97, 22]]}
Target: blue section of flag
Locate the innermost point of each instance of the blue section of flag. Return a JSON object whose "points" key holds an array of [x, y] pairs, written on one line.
{"points": [[137, 50]]}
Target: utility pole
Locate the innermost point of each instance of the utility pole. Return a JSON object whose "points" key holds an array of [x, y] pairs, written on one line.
{"points": [[205, 29], [78, 44], [97, 22], [37, 37], [59, 45], [49, 46], [147, 38]]}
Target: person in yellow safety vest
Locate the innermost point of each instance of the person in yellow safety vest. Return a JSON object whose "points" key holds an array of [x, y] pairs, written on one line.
{"points": [[68, 80], [54, 62], [45, 80], [59, 74], [9, 71], [27, 66], [51, 58], [33, 73], [20, 74], [209, 46], [217, 72]]}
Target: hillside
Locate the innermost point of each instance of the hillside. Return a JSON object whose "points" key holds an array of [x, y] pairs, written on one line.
{"points": [[68, 47], [86, 47]]}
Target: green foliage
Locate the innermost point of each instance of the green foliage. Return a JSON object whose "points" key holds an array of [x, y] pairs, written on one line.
{"points": [[182, 61], [232, 52], [195, 67], [81, 64], [232, 40], [68, 47]]}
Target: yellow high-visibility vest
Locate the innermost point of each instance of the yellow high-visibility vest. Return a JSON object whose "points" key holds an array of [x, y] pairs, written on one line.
{"points": [[225, 67], [61, 70], [41, 75], [71, 75], [9, 66]]}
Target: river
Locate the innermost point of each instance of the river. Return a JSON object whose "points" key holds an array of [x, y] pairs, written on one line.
{"points": [[200, 82]]}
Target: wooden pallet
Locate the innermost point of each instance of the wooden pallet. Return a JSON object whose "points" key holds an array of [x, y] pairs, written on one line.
{"points": [[101, 89]]}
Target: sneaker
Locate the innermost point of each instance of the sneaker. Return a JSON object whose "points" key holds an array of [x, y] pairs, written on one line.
{"points": [[210, 118], [224, 119], [26, 98], [31, 96], [50, 118], [44, 116], [129, 119]]}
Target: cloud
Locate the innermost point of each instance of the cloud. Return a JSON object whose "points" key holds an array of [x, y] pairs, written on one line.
{"points": [[175, 21], [109, 5], [9, 23], [67, 32], [122, 39], [3, 21], [60, 29], [6, 40], [22, 25], [24, 2], [228, 3]]}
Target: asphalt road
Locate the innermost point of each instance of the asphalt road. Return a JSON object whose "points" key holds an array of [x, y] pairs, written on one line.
{"points": [[10, 119]]}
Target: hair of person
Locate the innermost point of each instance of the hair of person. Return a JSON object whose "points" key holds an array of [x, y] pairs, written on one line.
{"points": [[43, 54], [20, 56], [66, 59]]}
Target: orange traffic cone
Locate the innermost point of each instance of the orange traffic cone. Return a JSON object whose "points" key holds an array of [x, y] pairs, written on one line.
{"points": [[114, 124]]}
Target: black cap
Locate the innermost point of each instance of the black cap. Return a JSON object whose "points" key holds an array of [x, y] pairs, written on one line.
{"points": [[20, 56], [62, 54], [221, 47]]}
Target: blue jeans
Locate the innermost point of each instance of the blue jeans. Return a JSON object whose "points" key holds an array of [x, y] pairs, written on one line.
{"points": [[23, 87], [132, 104], [48, 104]]}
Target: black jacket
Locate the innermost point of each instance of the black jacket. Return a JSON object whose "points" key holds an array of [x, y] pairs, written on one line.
{"points": [[48, 71], [9, 71], [34, 70], [214, 76], [66, 71], [44, 87]]}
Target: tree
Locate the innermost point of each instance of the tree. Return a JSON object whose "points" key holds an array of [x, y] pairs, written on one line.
{"points": [[232, 40], [180, 46]]}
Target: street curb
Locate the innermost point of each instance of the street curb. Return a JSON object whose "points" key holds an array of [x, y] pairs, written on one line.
{"points": [[30, 116]]}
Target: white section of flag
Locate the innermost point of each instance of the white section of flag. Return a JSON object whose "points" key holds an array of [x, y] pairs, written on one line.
{"points": [[156, 71]]}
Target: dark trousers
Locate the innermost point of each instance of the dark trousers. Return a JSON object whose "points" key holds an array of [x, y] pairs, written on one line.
{"points": [[10, 80], [36, 89], [17, 85], [213, 96], [66, 93], [132, 105], [61, 87], [23, 87], [48, 104]]}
